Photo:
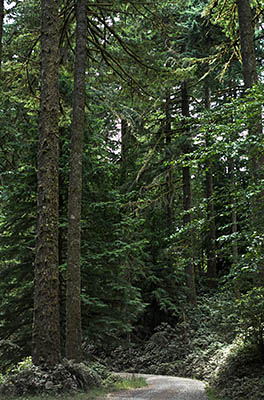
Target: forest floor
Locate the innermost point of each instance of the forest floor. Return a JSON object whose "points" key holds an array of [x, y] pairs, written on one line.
{"points": [[160, 387]]}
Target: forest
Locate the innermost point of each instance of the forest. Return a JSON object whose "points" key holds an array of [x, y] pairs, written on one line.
{"points": [[131, 188]]}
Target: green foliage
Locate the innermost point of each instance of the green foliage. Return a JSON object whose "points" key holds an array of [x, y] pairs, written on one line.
{"points": [[194, 347], [22, 365], [213, 395], [134, 254], [115, 384], [26, 379], [133, 382], [203, 346], [250, 309], [240, 375]]}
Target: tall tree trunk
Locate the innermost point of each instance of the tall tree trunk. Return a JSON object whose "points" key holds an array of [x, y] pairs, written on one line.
{"points": [[234, 214], [187, 205], [249, 69], [169, 184], [211, 233], [73, 295], [2, 8], [233, 93], [46, 326], [246, 30]]}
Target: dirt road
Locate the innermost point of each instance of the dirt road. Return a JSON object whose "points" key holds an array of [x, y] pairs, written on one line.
{"points": [[164, 388]]}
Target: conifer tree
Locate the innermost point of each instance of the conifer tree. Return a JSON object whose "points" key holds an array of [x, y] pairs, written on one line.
{"points": [[211, 231], [46, 328], [187, 203], [246, 32], [73, 295], [1, 29], [250, 76]]}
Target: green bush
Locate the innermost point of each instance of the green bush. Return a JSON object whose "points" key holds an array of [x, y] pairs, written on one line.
{"points": [[250, 310], [193, 347], [29, 379], [239, 375]]}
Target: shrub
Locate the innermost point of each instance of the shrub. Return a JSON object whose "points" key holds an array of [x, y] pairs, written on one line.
{"points": [[250, 309], [68, 376], [240, 374]]}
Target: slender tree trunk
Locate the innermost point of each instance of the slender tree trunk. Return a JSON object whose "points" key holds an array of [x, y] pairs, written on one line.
{"points": [[187, 205], [46, 326], [128, 156], [169, 184], [234, 231], [232, 93], [73, 295], [234, 214], [211, 234], [1, 30], [124, 151]]}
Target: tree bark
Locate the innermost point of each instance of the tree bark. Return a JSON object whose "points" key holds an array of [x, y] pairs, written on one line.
{"points": [[211, 234], [46, 325], [246, 32], [2, 8], [187, 205], [73, 295], [169, 177]]}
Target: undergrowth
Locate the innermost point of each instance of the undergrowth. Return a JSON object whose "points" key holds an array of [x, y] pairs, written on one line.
{"points": [[68, 380], [91, 394], [209, 345], [191, 348], [205, 346], [241, 375], [213, 395]]}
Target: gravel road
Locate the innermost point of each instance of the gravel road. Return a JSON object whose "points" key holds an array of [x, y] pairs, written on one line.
{"points": [[164, 388]]}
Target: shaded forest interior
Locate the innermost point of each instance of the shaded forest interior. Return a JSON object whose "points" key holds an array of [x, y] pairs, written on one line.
{"points": [[131, 183]]}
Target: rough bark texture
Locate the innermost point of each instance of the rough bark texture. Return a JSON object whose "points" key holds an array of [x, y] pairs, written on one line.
{"points": [[187, 205], [211, 233], [247, 34], [246, 31], [73, 300], [46, 328], [1, 29]]}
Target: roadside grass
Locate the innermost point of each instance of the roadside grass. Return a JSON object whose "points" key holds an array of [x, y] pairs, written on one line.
{"points": [[91, 394], [133, 382], [212, 395]]}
